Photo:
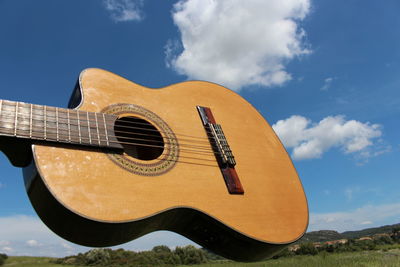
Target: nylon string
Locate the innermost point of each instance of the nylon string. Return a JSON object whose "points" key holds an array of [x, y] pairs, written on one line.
{"points": [[33, 116]]}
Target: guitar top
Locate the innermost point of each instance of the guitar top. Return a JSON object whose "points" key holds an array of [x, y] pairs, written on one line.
{"points": [[125, 160]]}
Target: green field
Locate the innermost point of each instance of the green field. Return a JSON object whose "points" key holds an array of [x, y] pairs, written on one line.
{"points": [[366, 258]]}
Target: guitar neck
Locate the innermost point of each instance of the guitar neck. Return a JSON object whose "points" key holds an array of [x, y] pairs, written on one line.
{"points": [[52, 124]]}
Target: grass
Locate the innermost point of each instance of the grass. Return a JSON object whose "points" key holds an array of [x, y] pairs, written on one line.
{"points": [[389, 258], [386, 258], [30, 262]]}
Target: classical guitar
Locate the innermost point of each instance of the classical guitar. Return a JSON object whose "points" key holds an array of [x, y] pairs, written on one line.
{"points": [[125, 160]]}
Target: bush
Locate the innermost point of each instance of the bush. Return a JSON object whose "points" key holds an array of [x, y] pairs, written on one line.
{"points": [[97, 256], [307, 249], [158, 256], [211, 256], [283, 253], [3, 258], [164, 255], [365, 244], [383, 240]]}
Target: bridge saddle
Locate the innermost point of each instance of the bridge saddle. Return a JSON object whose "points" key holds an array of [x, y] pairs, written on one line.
{"points": [[222, 151]]}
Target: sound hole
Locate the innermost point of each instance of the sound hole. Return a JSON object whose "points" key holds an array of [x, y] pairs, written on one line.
{"points": [[139, 138]]}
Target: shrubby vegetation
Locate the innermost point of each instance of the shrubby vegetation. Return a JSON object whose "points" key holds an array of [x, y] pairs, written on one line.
{"points": [[190, 255], [3, 258], [351, 245], [327, 235], [158, 256]]}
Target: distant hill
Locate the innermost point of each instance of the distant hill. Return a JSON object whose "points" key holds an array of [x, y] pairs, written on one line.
{"points": [[321, 236], [329, 235], [370, 231]]}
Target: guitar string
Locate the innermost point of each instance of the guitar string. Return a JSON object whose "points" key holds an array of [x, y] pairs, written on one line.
{"points": [[60, 140], [194, 163], [21, 124], [95, 141], [164, 153], [74, 112], [110, 125], [85, 126], [99, 140], [160, 142], [92, 127]]}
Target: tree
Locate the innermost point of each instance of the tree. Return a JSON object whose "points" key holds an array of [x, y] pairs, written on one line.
{"points": [[97, 256], [3, 258], [165, 255], [396, 234], [161, 249], [190, 255], [384, 239]]}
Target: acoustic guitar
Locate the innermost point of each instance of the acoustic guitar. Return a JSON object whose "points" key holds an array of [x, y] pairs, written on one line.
{"points": [[124, 160]]}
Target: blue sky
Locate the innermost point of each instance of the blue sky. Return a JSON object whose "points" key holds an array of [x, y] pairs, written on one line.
{"points": [[323, 73]]}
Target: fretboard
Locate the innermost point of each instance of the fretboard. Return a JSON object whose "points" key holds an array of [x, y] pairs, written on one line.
{"points": [[52, 124]]}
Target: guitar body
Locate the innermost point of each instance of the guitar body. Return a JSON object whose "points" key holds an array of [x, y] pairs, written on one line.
{"points": [[95, 198]]}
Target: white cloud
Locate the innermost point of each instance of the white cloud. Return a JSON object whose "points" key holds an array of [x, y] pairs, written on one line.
{"points": [[33, 243], [4, 243], [6, 250], [21, 228], [326, 192], [23, 235], [28, 236], [124, 10], [310, 140], [5, 246], [65, 245], [327, 84], [370, 215], [238, 43], [366, 223], [350, 191]]}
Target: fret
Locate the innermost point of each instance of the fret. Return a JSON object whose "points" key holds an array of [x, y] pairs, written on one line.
{"points": [[22, 115], [30, 121], [105, 129], [61, 125], [50, 123], [113, 141], [53, 124], [7, 122], [58, 137], [73, 127], [16, 119], [88, 122], [69, 126], [85, 128], [37, 122], [1, 113], [97, 128], [44, 123], [79, 127], [93, 126]]}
